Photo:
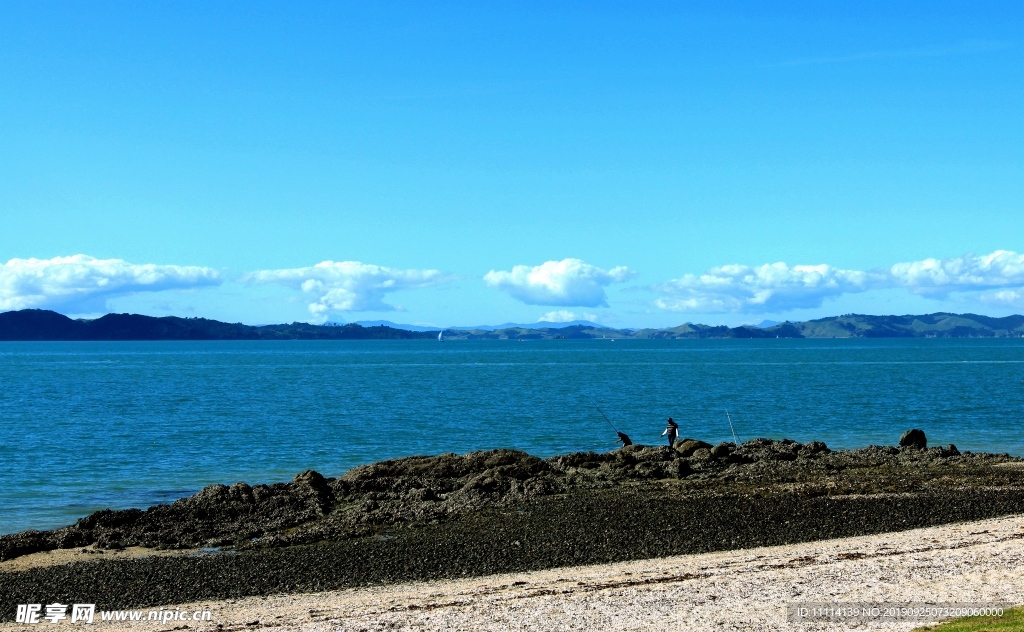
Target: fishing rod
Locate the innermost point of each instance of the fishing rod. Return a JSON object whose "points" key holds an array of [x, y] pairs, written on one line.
{"points": [[729, 417], [605, 417], [623, 437]]}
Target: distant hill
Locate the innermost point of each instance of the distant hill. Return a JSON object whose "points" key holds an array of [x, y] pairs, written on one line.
{"points": [[532, 332], [940, 325], [539, 324], [387, 323], [37, 324]]}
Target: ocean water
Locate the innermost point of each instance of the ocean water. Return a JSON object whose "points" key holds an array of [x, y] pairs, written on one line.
{"points": [[87, 426]]}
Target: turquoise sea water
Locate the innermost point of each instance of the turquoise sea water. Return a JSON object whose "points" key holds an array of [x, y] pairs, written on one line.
{"points": [[129, 424]]}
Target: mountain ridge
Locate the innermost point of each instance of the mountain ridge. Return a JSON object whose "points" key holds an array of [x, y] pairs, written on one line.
{"points": [[540, 324], [46, 325]]}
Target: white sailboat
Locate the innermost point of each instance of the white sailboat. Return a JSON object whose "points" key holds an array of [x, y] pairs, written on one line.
{"points": [[440, 336]]}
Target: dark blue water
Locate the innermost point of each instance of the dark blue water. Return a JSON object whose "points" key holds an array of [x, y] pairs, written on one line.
{"points": [[92, 425]]}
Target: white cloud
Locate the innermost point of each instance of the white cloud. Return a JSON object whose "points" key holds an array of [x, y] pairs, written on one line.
{"points": [[997, 278], [348, 286], [565, 316], [81, 284], [1011, 298], [569, 282], [1001, 269], [767, 288]]}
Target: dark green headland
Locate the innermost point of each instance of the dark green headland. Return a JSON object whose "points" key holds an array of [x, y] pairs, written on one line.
{"points": [[38, 324]]}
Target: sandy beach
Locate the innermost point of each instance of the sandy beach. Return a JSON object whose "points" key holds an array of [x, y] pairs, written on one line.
{"points": [[974, 562]]}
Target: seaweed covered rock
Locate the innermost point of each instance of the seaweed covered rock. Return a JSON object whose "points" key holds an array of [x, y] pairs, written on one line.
{"points": [[402, 493], [814, 447], [311, 489], [686, 447], [914, 438], [646, 453], [436, 477], [769, 450], [584, 460], [723, 450]]}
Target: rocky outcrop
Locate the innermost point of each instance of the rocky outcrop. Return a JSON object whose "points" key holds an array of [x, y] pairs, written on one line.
{"points": [[686, 447], [914, 438], [423, 490]]}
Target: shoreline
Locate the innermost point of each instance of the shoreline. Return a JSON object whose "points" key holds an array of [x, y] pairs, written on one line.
{"points": [[90, 553], [450, 517], [749, 589], [546, 533]]}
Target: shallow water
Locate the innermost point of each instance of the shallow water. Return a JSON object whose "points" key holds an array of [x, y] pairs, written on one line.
{"points": [[120, 424]]}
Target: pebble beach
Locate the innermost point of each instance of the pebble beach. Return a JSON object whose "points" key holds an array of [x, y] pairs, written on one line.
{"points": [[750, 589], [646, 537]]}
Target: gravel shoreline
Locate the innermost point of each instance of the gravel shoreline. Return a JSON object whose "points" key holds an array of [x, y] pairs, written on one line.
{"points": [[748, 590], [450, 517], [545, 533]]}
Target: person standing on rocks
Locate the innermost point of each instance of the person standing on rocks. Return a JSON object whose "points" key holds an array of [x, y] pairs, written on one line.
{"points": [[672, 430]]}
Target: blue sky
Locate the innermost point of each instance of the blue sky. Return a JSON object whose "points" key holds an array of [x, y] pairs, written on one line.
{"points": [[641, 164]]}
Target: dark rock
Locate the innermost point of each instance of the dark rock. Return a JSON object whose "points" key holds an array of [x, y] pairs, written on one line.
{"points": [[581, 459], [680, 468], [212, 494], [722, 450], [738, 459], [107, 519], [655, 453], [913, 438], [814, 447], [25, 543], [241, 492], [426, 490], [701, 453], [757, 450], [69, 538], [314, 489], [686, 447], [951, 449]]}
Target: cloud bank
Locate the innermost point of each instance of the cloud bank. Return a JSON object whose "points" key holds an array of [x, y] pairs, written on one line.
{"points": [[565, 316], [81, 284], [997, 278], [939, 277], [348, 286], [565, 283], [767, 288]]}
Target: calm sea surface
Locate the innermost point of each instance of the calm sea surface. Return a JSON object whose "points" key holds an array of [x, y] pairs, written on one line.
{"points": [[87, 426]]}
